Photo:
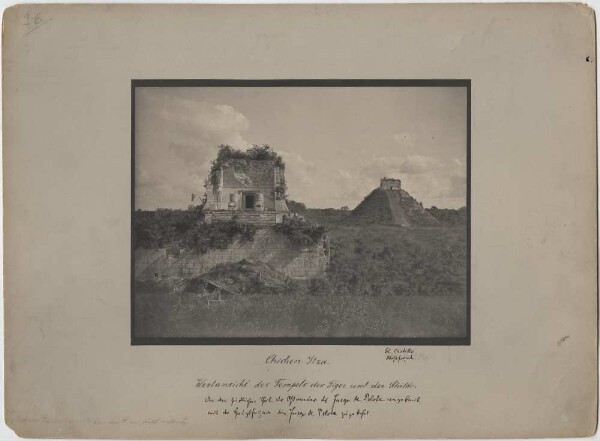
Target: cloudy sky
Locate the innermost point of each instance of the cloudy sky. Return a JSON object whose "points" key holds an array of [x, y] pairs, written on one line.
{"points": [[336, 142]]}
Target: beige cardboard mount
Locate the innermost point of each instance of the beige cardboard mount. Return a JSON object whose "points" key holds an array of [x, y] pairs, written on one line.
{"points": [[530, 370]]}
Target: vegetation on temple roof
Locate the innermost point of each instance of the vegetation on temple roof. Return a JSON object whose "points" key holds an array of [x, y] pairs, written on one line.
{"points": [[256, 152]]}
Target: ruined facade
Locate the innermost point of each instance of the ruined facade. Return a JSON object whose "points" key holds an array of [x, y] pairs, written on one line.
{"points": [[390, 184], [249, 190]]}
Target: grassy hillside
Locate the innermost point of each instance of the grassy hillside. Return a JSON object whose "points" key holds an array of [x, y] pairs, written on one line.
{"points": [[382, 281], [326, 216], [390, 260], [448, 216]]}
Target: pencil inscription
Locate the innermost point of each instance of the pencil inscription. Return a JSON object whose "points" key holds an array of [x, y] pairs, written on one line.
{"points": [[33, 21]]}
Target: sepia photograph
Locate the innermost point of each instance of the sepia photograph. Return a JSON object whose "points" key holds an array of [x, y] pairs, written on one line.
{"points": [[300, 221], [300, 212]]}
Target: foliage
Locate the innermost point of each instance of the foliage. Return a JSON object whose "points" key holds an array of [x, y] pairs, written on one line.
{"points": [[382, 281], [326, 216], [381, 260], [163, 228], [449, 216], [296, 207], [218, 235], [178, 229], [280, 190], [400, 262], [301, 232]]}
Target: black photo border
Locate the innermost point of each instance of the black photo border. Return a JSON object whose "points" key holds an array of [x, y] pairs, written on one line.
{"points": [[357, 341]]}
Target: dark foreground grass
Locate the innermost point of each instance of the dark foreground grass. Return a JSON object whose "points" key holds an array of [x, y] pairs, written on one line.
{"points": [[283, 315], [383, 281]]}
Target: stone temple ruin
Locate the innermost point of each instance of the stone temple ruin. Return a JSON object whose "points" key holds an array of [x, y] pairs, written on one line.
{"points": [[248, 190], [390, 184], [390, 204]]}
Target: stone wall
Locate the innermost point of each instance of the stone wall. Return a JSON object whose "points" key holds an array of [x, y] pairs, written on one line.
{"points": [[268, 246], [258, 218]]}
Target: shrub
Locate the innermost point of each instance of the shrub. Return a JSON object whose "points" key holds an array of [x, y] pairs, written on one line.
{"points": [[301, 232], [218, 235], [384, 260], [449, 216], [163, 228], [296, 207], [177, 229]]}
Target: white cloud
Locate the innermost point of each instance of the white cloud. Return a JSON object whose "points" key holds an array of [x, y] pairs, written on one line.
{"points": [[430, 180], [197, 136], [178, 131], [409, 164], [348, 186], [299, 174], [177, 139], [427, 178]]}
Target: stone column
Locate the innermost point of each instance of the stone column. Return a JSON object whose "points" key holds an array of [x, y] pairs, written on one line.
{"points": [[260, 202], [233, 205]]}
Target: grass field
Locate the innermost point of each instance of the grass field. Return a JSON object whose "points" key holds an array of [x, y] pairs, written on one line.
{"points": [[284, 315], [383, 281]]}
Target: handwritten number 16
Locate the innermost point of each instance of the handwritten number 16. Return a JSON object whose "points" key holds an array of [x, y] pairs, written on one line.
{"points": [[31, 19]]}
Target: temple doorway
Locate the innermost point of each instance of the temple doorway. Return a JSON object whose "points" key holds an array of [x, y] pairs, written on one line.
{"points": [[249, 201]]}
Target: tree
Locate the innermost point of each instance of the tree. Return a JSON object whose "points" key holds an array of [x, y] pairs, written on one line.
{"points": [[296, 207]]}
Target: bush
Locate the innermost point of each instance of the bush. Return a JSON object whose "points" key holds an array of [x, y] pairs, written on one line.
{"points": [[177, 229], [329, 217], [300, 231], [385, 260], [449, 216], [163, 228], [296, 207], [219, 235]]}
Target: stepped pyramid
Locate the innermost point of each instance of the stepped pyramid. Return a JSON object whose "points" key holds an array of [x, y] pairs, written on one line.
{"points": [[391, 205]]}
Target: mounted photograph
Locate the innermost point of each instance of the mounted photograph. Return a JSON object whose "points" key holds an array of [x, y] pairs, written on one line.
{"points": [[300, 212]]}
